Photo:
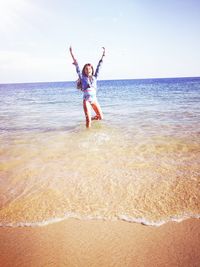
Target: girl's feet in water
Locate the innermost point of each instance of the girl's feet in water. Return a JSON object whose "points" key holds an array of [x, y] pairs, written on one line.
{"points": [[96, 117]]}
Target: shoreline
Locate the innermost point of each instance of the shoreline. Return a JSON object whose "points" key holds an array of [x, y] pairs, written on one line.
{"points": [[120, 218], [74, 242]]}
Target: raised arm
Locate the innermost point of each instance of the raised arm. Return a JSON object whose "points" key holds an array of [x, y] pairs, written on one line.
{"points": [[75, 63], [70, 50], [104, 53], [100, 63]]}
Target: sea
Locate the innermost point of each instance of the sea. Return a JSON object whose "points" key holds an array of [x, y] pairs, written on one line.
{"points": [[140, 164]]}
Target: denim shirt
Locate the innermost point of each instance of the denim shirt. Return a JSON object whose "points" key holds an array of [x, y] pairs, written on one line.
{"points": [[89, 84]]}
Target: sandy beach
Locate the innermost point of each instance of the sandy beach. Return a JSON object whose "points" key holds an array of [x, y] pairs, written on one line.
{"points": [[100, 243]]}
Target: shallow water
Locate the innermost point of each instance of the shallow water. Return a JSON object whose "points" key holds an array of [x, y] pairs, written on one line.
{"points": [[141, 164]]}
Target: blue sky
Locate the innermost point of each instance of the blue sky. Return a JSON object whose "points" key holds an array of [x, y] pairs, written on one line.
{"points": [[143, 39]]}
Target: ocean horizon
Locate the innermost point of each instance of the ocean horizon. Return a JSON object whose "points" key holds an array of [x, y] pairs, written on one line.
{"points": [[104, 80]]}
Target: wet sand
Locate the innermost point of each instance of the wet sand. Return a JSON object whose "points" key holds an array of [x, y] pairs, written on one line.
{"points": [[99, 243]]}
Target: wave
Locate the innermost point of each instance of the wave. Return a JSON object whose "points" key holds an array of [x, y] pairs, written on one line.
{"points": [[123, 217]]}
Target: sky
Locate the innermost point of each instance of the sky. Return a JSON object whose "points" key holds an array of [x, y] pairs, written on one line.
{"points": [[143, 39]]}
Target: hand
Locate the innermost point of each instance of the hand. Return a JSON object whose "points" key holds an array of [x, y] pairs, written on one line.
{"points": [[103, 55], [70, 49], [104, 50]]}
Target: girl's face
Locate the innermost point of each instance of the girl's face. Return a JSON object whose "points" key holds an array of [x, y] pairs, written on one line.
{"points": [[88, 70]]}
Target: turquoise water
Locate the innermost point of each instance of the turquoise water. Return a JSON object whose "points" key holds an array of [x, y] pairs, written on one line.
{"points": [[140, 164]]}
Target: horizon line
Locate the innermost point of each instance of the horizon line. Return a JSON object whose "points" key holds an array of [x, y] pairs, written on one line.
{"points": [[120, 79]]}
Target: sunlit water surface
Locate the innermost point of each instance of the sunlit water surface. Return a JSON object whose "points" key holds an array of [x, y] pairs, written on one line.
{"points": [[141, 164]]}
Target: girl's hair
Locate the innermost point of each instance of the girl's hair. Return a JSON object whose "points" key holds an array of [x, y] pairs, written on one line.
{"points": [[87, 65]]}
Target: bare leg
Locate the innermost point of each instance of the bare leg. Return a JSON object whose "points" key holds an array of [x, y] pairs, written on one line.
{"points": [[97, 109], [87, 110]]}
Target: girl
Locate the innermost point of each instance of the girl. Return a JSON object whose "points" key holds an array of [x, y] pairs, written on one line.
{"points": [[88, 80]]}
